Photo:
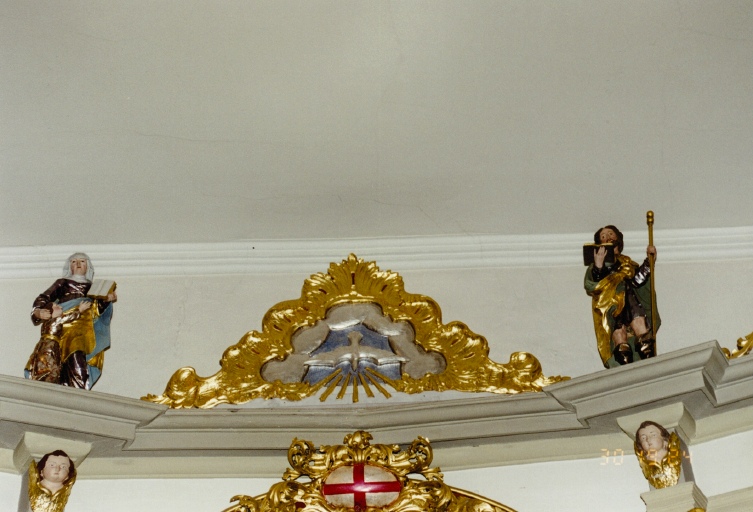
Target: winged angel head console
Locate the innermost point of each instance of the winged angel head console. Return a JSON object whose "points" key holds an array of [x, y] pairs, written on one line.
{"points": [[355, 328], [359, 476]]}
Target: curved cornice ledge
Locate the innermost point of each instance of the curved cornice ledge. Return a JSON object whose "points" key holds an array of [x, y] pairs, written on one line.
{"points": [[569, 420], [405, 253]]}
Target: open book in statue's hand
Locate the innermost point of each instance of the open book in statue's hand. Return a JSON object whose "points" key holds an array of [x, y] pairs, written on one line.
{"points": [[589, 249], [101, 288]]}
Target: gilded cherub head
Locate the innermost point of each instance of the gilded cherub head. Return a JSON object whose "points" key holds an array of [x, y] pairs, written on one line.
{"points": [[55, 470], [653, 440], [50, 482], [658, 454]]}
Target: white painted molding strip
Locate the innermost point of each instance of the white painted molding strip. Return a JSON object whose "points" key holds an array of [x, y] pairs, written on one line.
{"points": [[399, 254]]}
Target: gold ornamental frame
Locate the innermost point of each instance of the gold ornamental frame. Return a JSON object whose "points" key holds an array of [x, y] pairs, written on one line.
{"points": [[458, 355], [316, 466], [744, 347]]}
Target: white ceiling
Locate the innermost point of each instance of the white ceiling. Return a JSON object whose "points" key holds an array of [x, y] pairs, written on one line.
{"points": [[146, 121]]}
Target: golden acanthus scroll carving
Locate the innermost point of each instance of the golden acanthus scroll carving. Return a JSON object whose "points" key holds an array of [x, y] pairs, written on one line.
{"points": [[744, 346], [308, 483], [353, 327]]}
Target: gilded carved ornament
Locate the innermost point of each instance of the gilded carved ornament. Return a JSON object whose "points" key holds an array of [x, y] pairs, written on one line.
{"points": [[51, 482], [359, 476], [353, 328], [665, 471], [744, 346]]}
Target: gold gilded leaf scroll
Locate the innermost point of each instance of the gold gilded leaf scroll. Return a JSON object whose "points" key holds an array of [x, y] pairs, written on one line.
{"points": [[354, 328], [394, 491]]}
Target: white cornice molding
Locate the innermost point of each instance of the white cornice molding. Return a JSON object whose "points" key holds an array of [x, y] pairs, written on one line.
{"points": [[570, 420], [680, 497], [734, 501], [400, 254]]}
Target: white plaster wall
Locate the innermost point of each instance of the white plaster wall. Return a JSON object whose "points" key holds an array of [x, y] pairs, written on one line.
{"points": [[189, 121], [537, 105], [10, 486], [528, 488], [205, 495], [611, 483], [162, 324], [724, 465]]}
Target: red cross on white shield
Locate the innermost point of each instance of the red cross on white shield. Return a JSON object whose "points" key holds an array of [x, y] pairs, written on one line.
{"points": [[360, 486]]}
